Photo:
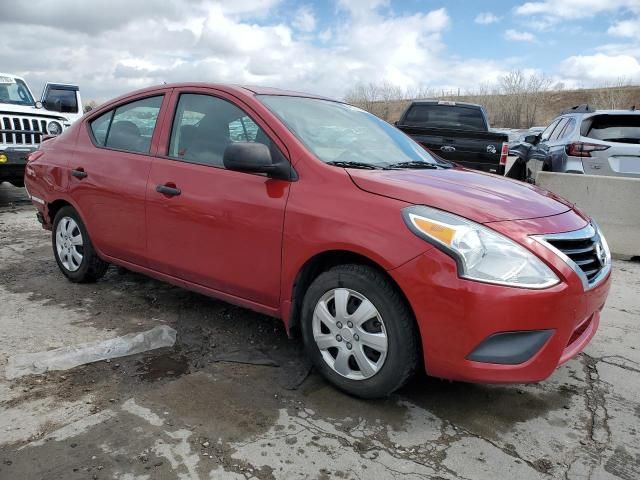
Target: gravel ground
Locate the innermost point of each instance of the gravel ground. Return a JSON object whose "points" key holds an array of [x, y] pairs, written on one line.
{"points": [[188, 412]]}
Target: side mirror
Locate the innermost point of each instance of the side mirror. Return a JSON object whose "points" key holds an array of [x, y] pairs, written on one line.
{"points": [[254, 157], [532, 139]]}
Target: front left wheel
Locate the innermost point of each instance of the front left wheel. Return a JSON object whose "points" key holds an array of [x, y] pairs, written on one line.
{"points": [[359, 331], [72, 247]]}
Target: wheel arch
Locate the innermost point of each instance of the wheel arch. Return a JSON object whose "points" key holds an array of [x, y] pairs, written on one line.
{"points": [[321, 262]]}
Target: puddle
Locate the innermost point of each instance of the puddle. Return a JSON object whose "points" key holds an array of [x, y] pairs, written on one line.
{"points": [[162, 366], [72, 356]]}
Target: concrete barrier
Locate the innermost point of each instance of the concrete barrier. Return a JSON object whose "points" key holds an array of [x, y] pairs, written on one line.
{"points": [[613, 202]]}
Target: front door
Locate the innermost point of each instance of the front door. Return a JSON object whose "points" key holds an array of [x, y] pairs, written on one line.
{"points": [[217, 228]]}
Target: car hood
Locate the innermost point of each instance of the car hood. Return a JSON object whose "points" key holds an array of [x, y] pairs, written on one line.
{"points": [[477, 196], [38, 112]]}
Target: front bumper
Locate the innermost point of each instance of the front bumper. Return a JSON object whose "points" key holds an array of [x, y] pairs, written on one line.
{"points": [[458, 317], [12, 169]]}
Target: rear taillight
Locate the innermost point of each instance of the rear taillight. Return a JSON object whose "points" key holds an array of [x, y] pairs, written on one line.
{"points": [[581, 149], [504, 153]]}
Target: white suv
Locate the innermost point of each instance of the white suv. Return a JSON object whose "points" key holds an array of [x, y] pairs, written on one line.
{"points": [[23, 120]]}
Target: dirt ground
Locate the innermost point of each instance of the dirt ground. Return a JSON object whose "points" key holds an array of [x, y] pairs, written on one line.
{"points": [[187, 412]]}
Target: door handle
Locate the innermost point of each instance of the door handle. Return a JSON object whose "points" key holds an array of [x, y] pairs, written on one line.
{"points": [[168, 190], [79, 173]]}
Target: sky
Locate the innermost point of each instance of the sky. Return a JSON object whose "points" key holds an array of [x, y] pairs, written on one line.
{"points": [[324, 47]]}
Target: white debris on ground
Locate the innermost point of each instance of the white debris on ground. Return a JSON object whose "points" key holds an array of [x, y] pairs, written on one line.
{"points": [[72, 356]]}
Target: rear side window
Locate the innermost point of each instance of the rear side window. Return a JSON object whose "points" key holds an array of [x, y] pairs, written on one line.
{"points": [[614, 128], [61, 100], [446, 116], [567, 129], [558, 130], [128, 127], [100, 127], [548, 131]]}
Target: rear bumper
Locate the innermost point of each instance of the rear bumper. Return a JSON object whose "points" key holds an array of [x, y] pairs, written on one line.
{"points": [[458, 318]]}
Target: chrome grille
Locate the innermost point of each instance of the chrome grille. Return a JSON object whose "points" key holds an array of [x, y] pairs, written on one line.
{"points": [[21, 130], [585, 251]]}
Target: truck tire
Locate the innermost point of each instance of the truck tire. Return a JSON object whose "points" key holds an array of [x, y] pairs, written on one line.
{"points": [[73, 250], [359, 332]]}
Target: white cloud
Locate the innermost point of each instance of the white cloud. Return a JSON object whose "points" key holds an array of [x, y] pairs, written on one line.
{"points": [[601, 68], [555, 10], [519, 36], [239, 42], [486, 18], [304, 19], [626, 28]]}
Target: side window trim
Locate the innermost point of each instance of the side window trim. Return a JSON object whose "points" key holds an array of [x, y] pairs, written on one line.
{"points": [[163, 93], [557, 132]]}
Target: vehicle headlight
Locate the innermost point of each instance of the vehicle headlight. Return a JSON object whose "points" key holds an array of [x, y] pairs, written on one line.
{"points": [[54, 128], [482, 254]]}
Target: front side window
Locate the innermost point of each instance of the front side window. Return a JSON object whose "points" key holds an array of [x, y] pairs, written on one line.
{"points": [[61, 100], [15, 92], [204, 126], [339, 133], [128, 127]]}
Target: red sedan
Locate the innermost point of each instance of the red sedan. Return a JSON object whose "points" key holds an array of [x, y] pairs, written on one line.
{"points": [[385, 257]]}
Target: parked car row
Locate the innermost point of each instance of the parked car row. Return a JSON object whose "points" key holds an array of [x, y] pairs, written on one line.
{"points": [[584, 141], [386, 257]]}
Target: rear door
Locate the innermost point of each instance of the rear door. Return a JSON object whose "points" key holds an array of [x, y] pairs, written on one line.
{"points": [[108, 175], [621, 134], [214, 227]]}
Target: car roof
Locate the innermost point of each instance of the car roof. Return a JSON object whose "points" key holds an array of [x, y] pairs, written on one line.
{"points": [[230, 88], [429, 101], [11, 75]]}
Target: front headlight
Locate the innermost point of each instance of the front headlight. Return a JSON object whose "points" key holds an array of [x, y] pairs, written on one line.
{"points": [[54, 128], [481, 253]]}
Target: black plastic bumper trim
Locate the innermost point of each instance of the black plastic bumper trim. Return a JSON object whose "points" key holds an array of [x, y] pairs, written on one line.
{"points": [[510, 348]]}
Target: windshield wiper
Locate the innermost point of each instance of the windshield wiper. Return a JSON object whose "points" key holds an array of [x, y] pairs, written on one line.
{"points": [[352, 164], [414, 164]]}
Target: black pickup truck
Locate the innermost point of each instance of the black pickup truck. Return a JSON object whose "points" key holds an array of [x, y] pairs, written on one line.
{"points": [[458, 132]]}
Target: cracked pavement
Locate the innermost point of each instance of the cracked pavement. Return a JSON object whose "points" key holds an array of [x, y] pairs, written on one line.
{"points": [[186, 413]]}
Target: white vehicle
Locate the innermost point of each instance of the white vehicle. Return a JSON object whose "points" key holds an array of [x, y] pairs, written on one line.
{"points": [[24, 121]]}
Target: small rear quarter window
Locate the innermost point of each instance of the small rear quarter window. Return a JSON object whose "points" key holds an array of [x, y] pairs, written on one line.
{"points": [[100, 127]]}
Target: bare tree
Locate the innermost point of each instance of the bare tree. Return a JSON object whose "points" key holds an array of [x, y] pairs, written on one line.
{"points": [[612, 95]]}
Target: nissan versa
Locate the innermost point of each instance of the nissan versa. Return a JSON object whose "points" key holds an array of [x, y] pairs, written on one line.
{"points": [[385, 257]]}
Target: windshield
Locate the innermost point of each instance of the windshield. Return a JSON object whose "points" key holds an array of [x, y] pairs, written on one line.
{"points": [[433, 115], [339, 133], [15, 92]]}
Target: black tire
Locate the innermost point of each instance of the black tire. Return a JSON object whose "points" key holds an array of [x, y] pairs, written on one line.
{"points": [[92, 267], [403, 351]]}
